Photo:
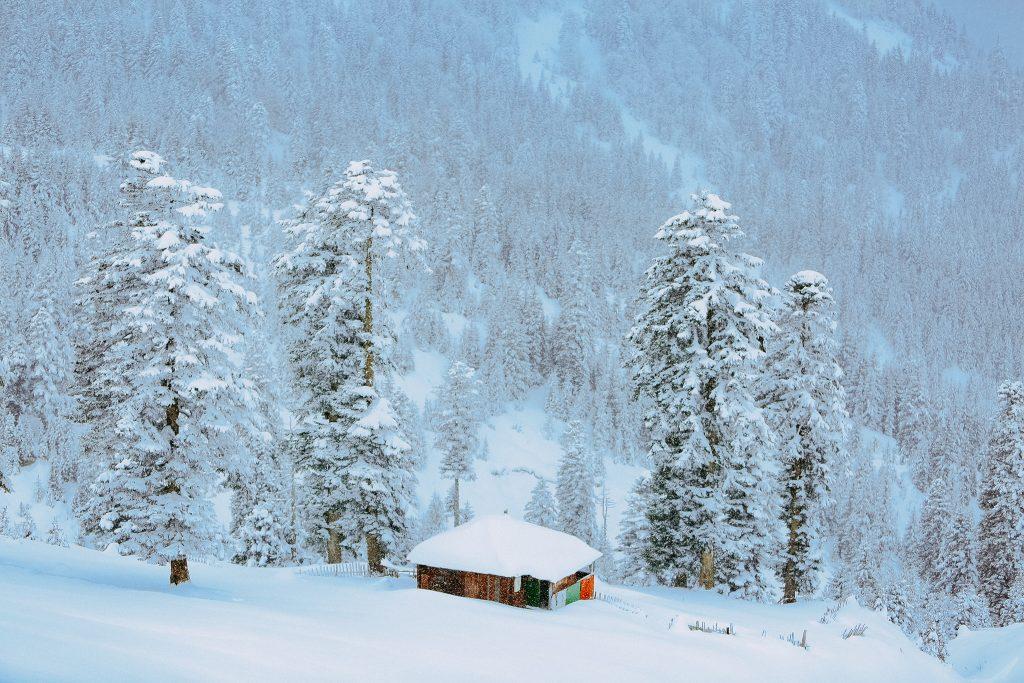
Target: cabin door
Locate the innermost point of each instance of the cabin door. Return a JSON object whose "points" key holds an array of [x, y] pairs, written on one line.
{"points": [[536, 592]]}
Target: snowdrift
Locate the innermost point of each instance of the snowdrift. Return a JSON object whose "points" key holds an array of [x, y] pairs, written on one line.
{"points": [[70, 614]]}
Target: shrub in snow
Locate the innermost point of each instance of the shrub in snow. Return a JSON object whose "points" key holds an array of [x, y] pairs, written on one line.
{"points": [[4, 522], [854, 631]]}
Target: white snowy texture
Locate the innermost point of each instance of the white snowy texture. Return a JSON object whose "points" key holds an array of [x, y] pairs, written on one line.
{"points": [[69, 614]]}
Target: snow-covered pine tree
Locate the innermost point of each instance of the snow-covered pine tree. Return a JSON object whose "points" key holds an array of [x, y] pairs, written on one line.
{"points": [[577, 512], [55, 535], [1013, 608], [572, 337], [8, 451], [1001, 534], [806, 407], [505, 365], [457, 424], [698, 340], [634, 535], [262, 537], [333, 280], [434, 519], [26, 525], [541, 508], [163, 378], [50, 365], [259, 511]]}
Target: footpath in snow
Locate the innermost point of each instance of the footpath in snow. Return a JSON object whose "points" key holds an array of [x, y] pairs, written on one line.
{"points": [[70, 614]]}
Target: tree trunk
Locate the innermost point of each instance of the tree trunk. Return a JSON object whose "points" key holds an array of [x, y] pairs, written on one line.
{"points": [[333, 539], [368, 315], [707, 569], [374, 554], [794, 521], [455, 498], [179, 571], [789, 569]]}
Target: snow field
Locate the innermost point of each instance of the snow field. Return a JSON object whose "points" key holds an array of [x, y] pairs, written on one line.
{"points": [[71, 614]]}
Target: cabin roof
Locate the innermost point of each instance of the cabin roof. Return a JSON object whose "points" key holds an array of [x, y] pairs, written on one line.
{"points": [[503, 546]]}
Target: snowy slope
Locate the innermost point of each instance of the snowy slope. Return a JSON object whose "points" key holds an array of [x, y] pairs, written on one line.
{"points": [[991, 654], [79, 615], [520, 451]]}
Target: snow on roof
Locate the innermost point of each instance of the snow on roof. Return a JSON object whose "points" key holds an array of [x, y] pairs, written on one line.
{"points": [[503, 546]]}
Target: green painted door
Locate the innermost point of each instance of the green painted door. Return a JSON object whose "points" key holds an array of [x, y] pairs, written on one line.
{"points": [[534, 590], [572, 593]]}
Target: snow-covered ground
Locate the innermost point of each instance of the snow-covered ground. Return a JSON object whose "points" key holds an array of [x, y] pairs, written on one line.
{"points": [[991, 654], [70, 614]]}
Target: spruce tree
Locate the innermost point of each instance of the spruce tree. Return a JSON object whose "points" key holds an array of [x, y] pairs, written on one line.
{"points": [[457, 424], [634, 534], [1001, 534], [807, 409], [163, 375], [577, 512], [434, 519], [335, 294], [262, 538], [541, 508], [699, 340]]}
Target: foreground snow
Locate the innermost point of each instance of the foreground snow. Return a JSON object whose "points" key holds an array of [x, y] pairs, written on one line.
{"points": [[78, 615], [991, 654]]}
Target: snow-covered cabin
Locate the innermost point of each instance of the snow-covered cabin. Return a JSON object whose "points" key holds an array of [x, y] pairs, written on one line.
{"points": [[505, 560]]}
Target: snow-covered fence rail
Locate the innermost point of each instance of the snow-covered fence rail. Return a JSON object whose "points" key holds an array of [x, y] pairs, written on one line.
{"points": [[705, 627], [357, 569], [855, 631], [621, 604]]}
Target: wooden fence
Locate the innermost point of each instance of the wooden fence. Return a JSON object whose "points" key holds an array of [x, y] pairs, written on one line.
{"points": [[356, 569]]}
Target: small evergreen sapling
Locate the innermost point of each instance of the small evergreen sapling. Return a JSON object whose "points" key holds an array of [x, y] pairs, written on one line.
{"points": [[577, 511], [26, 527], [457, 422], [55, 535], [541, 508], [262, 538]]}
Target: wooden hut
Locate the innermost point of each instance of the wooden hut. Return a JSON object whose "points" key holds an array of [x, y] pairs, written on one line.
{"points": [[504, 560]]}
